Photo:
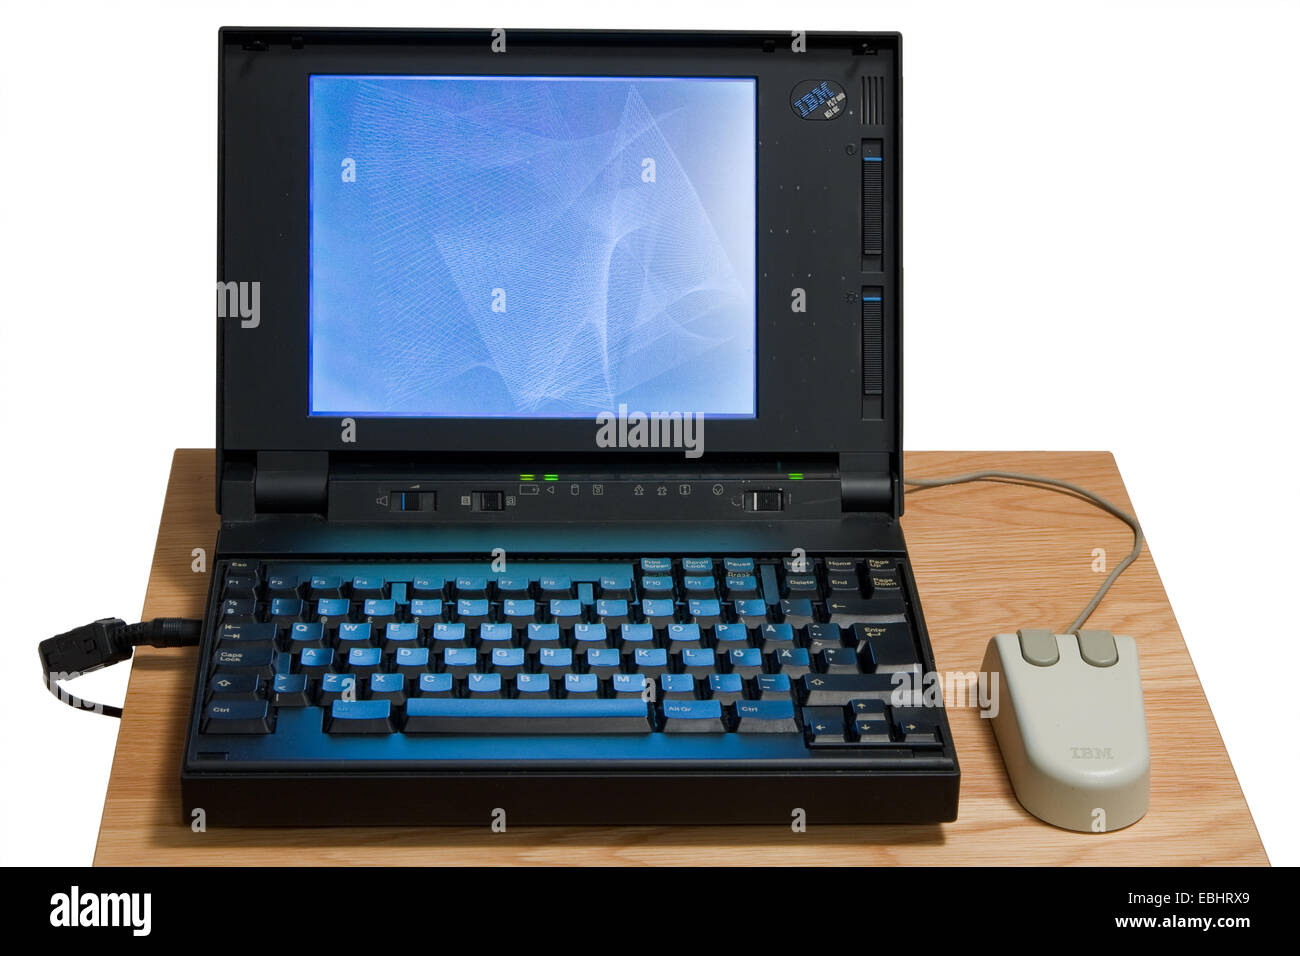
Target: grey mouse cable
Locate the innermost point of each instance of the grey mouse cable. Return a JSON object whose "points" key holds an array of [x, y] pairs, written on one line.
{"points": [[1062, 487]]}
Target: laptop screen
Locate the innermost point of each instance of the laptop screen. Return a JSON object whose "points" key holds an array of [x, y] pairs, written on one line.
{"points": [[532, 246]]}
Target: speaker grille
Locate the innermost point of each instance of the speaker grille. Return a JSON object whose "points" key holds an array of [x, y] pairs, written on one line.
{"points": [[873, 100]]}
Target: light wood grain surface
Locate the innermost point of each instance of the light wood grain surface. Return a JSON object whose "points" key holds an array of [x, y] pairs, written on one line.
{"points": [[988, 558]]}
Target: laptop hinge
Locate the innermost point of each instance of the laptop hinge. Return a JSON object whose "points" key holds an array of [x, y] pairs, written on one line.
{"points": [[291, 482], [867, 483]]}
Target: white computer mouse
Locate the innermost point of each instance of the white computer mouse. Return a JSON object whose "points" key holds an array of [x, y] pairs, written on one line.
{"points": [[1067, 712]]}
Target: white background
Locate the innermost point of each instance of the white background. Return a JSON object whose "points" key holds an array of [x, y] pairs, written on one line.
{"points": [[1102, 241]]}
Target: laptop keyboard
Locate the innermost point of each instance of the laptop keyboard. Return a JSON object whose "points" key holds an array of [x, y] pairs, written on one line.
{"points": [[781, 657]]}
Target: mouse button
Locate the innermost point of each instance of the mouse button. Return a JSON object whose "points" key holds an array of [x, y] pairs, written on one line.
{"points": [[1038, 646], [1098, 648]]}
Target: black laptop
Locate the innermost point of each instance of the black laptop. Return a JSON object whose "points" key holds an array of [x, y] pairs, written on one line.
{"points": [[559, 435]]}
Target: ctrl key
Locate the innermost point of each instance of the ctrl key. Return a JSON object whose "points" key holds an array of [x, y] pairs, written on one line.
{"points": [[360, 717], [241, 715]]}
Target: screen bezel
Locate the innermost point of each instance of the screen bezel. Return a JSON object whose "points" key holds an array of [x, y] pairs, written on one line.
{"points": [[809, 369]]}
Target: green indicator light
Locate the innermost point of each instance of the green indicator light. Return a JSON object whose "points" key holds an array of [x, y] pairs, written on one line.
{"points": [[527, 477], [796, 476], [551, 477]]}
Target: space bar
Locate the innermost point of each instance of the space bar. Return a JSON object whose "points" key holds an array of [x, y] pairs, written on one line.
{"points": [[439, 715]]}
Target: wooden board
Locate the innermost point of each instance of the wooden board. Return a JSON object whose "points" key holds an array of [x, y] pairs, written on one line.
{"points": [[987, 558]]}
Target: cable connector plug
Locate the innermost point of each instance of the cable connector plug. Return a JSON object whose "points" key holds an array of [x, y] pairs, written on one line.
{"points": [[105, 642], [85, 649]]}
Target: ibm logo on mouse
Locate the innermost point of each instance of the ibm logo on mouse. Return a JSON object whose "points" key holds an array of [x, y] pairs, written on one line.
{"points": [[1091, 753]]}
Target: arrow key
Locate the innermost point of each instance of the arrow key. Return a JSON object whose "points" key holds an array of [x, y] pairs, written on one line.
{"points": [[916, 726], [233, 684], [824, 726], [871, 730]]}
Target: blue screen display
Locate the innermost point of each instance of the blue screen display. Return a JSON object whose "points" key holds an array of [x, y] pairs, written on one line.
{"points": [[532, 247]]}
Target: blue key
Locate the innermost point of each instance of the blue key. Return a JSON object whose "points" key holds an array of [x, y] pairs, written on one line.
{"points": [[432, 685], [657, 607], [693, 716], [695, 582], [508, 659], [378, 607], [460, 660], [513, 584], [473, 584], [681, 636], [472, 608], [411, 660], [325, 582], [747, 661], [629, 685], [650, 660], [657, 565], [705, 610], [360, 717], [428, 585], [555, 583], [741, 582], [566, 608], [495, 633], [614, 611], [364, 660], [698, 660], [316, 658], [290, 690], [400, 634], [286, 607], [777, 685], [637, 633], [657, 583], [677, 685], [603, 661], [237, 715], [589, 634], [388, 684], [518, 607], [697, 565], [543, 635], [426, 607], [333, 607], [731, 632], [617, 583], [367, 582], [766, 717], [484, 684], [557, 659], [727, 688], [533, 683], [309, 634], [398, 590], [738, 565], [449, 635], [354, 633], [337, 686], [581, 685], [752, 611]]}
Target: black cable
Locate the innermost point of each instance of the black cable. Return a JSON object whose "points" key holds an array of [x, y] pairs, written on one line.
{"points": [[103, 643]]}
